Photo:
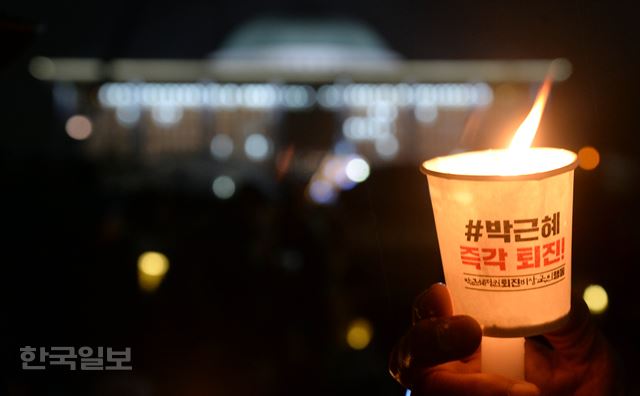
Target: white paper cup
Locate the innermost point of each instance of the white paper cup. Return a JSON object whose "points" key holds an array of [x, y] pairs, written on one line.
{"points": [[505, 241]]}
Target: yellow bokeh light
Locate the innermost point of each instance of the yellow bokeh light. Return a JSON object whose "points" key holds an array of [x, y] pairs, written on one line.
{"points": [[596, 298], [152, 267], [588, 158], [153, 263], [42, 68], [359, 334]]}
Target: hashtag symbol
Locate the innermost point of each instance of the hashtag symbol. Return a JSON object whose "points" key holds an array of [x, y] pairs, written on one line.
{"points": [[473, 230]]}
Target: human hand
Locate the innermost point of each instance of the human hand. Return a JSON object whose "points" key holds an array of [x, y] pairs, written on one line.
{"points": [[440, 355]]}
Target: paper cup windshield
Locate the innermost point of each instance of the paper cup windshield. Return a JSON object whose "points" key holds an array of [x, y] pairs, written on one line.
{"points": [[504, 231]]}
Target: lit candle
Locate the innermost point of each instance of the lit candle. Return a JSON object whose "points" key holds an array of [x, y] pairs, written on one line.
{"points": [[503, 219]]}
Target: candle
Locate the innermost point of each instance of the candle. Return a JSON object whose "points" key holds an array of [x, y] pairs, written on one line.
{"points": [[503, 219], [504, 356]]}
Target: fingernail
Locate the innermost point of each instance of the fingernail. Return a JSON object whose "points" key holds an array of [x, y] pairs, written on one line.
{"points": [[524, 389], [425, 306]]}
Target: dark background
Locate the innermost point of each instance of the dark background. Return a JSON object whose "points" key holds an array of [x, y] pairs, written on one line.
{"points": [[228, 318]]}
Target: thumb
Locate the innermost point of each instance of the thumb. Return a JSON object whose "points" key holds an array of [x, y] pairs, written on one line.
{"points": [[431, 342]]}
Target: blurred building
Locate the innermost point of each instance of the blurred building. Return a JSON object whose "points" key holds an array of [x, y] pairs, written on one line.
{"points": [[283, 98]]}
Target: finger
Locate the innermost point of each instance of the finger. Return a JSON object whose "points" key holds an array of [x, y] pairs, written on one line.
{"points": [[431, 342], [434, 302], [578, 337], [449, 383]]}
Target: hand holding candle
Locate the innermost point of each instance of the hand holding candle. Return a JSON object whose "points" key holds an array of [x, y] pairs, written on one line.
{"points": [[440, 355], [503, 219]]}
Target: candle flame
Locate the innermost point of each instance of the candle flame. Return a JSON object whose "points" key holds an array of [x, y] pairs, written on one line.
{"points": [[527, 131], [518, 159]]}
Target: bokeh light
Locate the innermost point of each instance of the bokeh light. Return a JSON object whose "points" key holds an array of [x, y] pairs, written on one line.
{"points": [[256, 147], [128, 116], [322, 192], [426, 114], [221, 146], [42, 68], [359, 334], [79, 127], [224, 187], [166, 115], [387, 147], [334, 173], [152, 268], [153, 263], [357, 170], [596, 298], [588, 158]]}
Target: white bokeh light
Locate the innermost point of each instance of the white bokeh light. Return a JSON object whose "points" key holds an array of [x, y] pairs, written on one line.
{"points": [[357, 170], [224, 187], [256, 147], [426, 114], [166, 115], [384, 98], [387, 147], [221, 146], [383, 111], [128, 115]]}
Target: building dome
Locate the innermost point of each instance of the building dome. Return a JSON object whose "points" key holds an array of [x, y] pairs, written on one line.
{"points": [[304, 45]]}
